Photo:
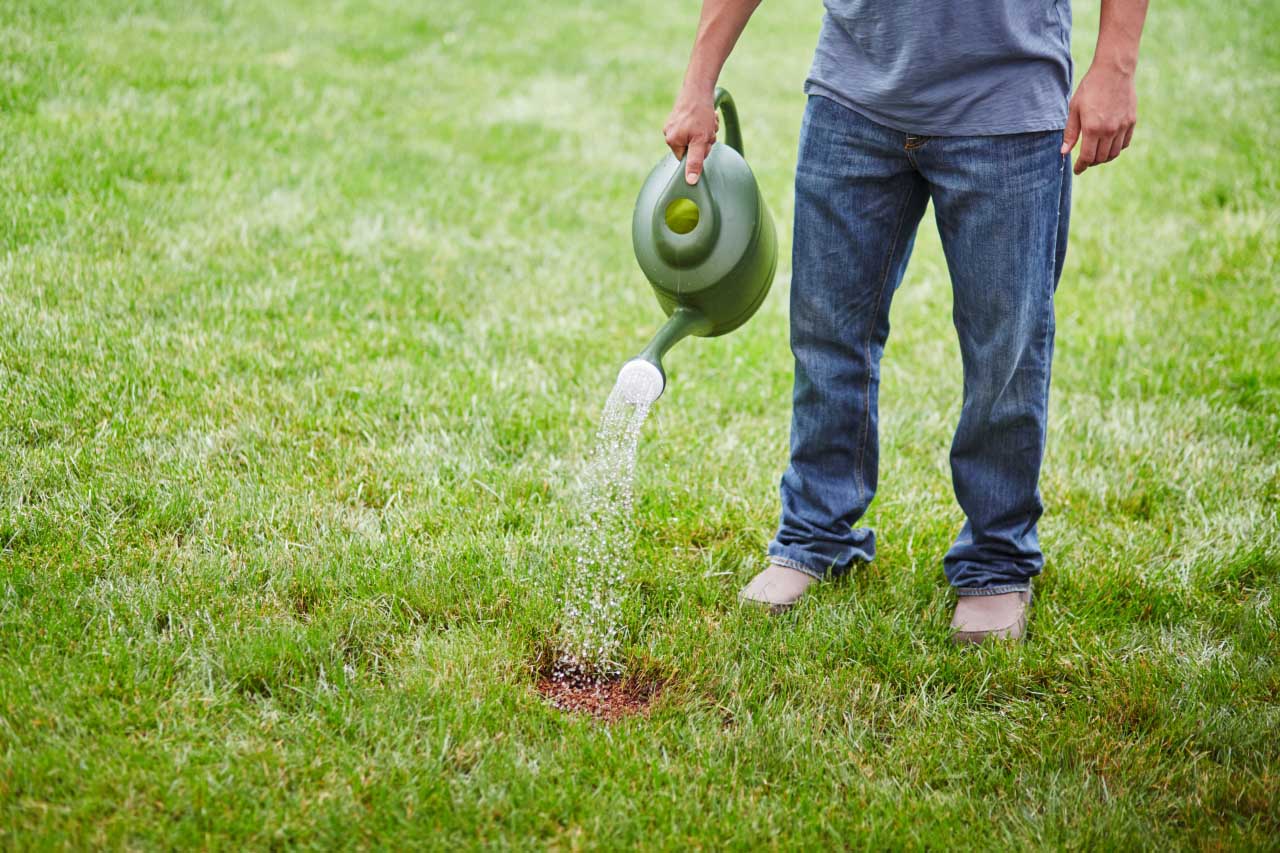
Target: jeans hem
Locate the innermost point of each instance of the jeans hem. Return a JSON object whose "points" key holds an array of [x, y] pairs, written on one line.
{"points": [[994, 590], [788, 563]]}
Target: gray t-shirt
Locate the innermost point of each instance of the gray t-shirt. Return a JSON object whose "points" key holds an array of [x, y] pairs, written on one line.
{"points": [[948, 67]]}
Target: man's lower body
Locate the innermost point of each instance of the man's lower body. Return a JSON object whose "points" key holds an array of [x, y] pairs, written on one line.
{"points": [[1001, 204]]}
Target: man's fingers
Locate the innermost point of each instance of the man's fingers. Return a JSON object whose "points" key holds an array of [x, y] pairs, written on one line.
{"points": [[1072, 133], [693, 163], [676, 142], [1117, 145], [1128, 137], [1088, 152]]}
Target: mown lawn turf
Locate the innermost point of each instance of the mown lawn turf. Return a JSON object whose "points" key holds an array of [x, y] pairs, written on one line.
{"points": [[308, 311]]}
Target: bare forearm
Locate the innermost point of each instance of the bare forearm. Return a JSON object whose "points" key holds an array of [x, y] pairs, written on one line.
{"points": [[719, 26], [1119, 31], [690, 130]]}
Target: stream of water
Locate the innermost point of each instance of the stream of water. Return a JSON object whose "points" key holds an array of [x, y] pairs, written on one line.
{"points": [[604, 540]]}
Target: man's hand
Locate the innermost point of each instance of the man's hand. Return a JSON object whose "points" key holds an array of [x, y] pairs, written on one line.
{"points": [[1102, 115], [691, 128], [1104, 108]]}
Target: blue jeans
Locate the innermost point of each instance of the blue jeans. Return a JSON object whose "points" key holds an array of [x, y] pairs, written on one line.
{"points": [[1001, 204]]}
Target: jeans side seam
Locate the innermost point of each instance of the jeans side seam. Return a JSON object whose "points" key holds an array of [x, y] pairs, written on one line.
{"points": [[884, 279], [1054, 273]]}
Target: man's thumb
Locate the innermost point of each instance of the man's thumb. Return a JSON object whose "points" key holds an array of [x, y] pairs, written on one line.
{"points": [[1073, 130]]}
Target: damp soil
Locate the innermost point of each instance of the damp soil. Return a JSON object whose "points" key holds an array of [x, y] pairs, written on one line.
{"points": [[607, 700]]}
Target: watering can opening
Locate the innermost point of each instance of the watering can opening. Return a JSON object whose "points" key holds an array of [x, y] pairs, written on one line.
{"points": [[682, 215], [640, 382]]}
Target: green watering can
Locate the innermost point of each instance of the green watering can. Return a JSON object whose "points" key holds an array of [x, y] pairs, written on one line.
{"points": [[709, 251]]}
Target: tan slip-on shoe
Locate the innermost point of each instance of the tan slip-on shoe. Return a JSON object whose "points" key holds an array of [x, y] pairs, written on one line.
{"points": [[777, 587], [1002, 616]]}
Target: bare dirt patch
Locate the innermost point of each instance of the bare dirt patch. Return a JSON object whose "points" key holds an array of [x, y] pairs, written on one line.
{"points": [[607, 700]]}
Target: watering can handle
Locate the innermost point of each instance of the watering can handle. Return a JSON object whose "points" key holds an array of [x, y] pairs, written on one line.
{"points": [[732, 130], [685, 250]]}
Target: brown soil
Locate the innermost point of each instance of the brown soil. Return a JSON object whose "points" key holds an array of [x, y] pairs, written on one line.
{"points": [[607, 701]]}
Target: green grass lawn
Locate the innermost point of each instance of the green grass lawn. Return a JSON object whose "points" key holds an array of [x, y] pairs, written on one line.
{"points": [[308, 313]]}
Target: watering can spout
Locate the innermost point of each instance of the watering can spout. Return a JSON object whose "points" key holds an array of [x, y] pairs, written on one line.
{"points": [[642, 379]]}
